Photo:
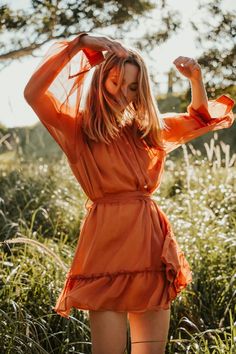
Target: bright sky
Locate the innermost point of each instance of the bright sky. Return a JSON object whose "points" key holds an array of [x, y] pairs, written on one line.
{"points": [[16, 112]]}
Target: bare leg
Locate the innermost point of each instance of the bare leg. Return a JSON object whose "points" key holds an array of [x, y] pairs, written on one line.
{"points": [[151, 329], [108, 332]]}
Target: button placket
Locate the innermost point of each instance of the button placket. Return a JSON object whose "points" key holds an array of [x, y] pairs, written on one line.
{"points": [[130, 154], [139, 174]]}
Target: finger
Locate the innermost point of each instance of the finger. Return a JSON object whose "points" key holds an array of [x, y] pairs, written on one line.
{"points": [[178, 60], [111, 49], [106, 47], [189, 63], [181, 61], [121, 51], [180, 64], [118, 47], [196, 67], [122, 47]]}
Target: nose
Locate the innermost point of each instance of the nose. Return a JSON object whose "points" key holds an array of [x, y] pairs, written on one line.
{"points": [[124, 91]]}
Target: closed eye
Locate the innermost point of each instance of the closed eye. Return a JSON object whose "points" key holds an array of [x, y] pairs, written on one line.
{"points": [[132, 89]]}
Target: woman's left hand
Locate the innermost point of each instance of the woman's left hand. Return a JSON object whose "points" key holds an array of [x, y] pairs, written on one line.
{"points": [[188, 67]]}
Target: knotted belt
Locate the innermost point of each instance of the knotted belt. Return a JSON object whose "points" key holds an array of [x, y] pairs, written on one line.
{"points": [[122, 197]]}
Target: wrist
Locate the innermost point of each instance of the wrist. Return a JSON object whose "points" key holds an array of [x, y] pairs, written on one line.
{"points": [[80, 39], [75, 45], [196, 81]]}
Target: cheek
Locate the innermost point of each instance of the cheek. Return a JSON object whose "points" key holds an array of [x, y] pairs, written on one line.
{"points": [[133, 96], [109, 88]]}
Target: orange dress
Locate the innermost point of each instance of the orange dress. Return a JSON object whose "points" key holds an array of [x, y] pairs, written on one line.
{"points": [[127, 257]]}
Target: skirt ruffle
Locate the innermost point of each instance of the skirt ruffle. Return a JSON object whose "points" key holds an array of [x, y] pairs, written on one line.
{"points": [[178, 271], [122, 291], [129, 291]]}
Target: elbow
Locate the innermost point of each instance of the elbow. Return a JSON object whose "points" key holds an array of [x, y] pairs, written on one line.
{"points": [[28, 94], [32, 93]]}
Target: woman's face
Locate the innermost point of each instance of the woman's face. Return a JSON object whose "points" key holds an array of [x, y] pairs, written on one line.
{"points": [[129, 86]]}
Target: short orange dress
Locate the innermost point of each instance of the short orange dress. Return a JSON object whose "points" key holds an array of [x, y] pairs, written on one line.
{"points": [[127, 257]]}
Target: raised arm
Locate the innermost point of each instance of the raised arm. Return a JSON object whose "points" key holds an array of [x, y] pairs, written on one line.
{"points": [[58, 57], [37, 92], [202, 115], [55, 89], [184, 127], [51, 83], [52, 65]]}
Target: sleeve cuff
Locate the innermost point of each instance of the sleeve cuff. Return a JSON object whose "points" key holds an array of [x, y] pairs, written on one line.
{"points": [[94, 57], [217, 110]]}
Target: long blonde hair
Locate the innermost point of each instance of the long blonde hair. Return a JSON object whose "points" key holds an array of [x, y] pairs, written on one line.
{"points": [[102, 118]]}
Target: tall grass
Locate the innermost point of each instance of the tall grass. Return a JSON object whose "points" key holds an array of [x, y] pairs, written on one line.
{"points": [[41, 209]]}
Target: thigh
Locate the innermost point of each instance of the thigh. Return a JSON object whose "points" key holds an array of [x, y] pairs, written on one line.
{"points": [[149, 331], [108, 332]]}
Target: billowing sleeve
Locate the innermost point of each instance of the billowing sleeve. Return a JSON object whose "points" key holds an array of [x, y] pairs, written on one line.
{"points": [[181, 128], [56, 90]]}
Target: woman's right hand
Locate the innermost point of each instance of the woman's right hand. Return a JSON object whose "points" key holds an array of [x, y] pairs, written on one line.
{"points": [[103, 44]]}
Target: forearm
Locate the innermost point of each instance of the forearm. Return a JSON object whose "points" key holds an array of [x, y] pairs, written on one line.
{"points": [[44, 76], [198, 94]]}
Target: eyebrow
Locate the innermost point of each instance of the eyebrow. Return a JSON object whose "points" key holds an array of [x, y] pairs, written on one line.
{"points": [[115, 77]]}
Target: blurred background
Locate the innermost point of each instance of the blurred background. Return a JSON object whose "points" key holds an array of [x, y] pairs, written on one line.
{"points": [[162, 30], [42, 205]]}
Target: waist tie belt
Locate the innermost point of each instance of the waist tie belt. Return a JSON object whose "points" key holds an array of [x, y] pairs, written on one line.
{"points": [[120, 197]]}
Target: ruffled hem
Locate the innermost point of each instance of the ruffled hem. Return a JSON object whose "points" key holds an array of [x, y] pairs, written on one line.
{"points": [[129, 291], [122, 291], [178, 271]]}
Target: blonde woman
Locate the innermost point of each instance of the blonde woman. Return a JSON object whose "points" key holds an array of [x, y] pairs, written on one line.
{"points": [[94, 97]]}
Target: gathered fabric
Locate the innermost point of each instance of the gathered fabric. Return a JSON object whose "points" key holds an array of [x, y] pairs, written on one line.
{"points": [[127, 257]]}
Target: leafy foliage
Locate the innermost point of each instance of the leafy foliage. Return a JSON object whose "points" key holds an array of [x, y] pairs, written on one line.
{"points": [[215, 29], [30, 28]]}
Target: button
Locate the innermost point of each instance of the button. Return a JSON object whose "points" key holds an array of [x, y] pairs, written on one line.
{"points": [[145, 186]]}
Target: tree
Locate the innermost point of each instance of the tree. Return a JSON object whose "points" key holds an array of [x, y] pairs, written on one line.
{"points": [[25, 30], [215, 25]]}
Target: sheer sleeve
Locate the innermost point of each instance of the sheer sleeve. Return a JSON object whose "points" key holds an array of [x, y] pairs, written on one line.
{"points": [[56, 89], [181, 128]]}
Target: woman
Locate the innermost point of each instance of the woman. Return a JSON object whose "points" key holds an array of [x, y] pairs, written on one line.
{"points": [[127, 263]]}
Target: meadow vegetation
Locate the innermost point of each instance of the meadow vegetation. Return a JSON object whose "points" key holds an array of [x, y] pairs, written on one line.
{"points": [[41, 209]]}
